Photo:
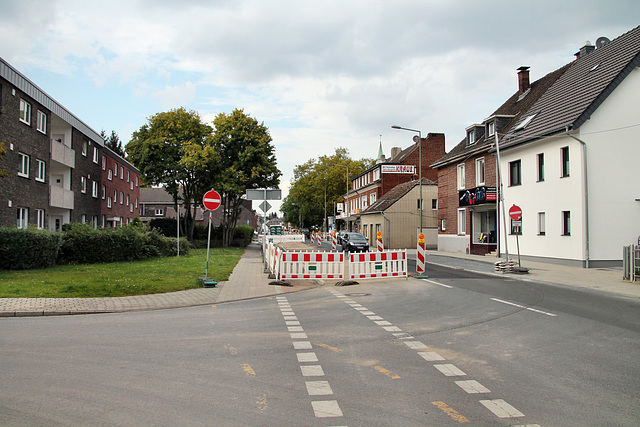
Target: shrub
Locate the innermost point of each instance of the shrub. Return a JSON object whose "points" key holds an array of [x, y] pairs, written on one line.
{"points": [[243, 234], [28, 249]]}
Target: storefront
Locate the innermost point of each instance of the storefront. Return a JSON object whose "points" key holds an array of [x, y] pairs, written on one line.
{"points": [[481, 204]]}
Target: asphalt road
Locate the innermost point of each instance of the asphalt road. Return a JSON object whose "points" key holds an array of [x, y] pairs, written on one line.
{"points": [[456, 348]]}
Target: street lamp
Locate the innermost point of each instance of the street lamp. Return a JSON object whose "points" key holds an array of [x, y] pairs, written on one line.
{"points": [[419, 165], [346, 201]]}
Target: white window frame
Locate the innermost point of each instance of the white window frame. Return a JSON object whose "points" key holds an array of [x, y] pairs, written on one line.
{"points": [[110, 175], [460, 174], [565, 162], [480, 169], [372, 198], [443, 225], [104, 163], [512, 181], [40, 219], [83, 184], [541, 224], [128, 176], [128, 200], [23, 166], [109, 202], [540, 167], [41, 126], [566, 223], [159, 212], [95, 191], [25, 112], [131, 184], [462, 222], [104, 192], [471, 137], [96, 155], [434, 204], [22, 220], [121, 198], [85, 147], [115, 169], [41, 170], [491, 128], [121, 172]]}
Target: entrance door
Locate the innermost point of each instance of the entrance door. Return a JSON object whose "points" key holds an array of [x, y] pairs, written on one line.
{"points": [[56, 222]]}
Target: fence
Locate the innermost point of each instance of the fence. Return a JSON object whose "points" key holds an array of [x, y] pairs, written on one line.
{"points": [[310, 265], [279, 238], [631, 262], [374, 265]]}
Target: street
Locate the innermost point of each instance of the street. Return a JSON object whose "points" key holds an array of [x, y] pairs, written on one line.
{"points": [[456, 348]]}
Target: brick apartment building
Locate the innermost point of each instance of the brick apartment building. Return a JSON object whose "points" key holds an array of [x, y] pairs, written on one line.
{"points": [[120, 192]]}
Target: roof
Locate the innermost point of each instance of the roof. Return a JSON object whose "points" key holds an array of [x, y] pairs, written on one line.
{"points": [[396, 160], [512, 110], [156, 195], [393, 195], [571, 100]]}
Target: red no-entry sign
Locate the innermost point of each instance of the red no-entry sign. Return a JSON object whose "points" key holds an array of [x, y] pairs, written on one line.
{"points": [[515, 213], [211, 200]]}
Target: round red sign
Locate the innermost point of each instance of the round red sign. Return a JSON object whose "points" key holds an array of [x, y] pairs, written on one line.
{"points": [[515, 213], [211, 200]]}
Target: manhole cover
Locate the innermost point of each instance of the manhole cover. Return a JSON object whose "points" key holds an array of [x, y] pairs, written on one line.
{"points": [[358, 294]]}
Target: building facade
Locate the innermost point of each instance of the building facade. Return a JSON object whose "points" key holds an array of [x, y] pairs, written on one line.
{"points": [[120, 190]]}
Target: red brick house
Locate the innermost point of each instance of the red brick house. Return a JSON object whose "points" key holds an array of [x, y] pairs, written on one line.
{"points": [[120, 191]]}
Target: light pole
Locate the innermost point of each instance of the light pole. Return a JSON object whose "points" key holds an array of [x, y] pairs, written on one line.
{"points": [[346, 201], [419, 165]]}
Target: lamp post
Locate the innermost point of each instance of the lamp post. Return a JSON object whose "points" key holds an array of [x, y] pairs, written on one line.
{"points": [[346, 201], [419, 165]]}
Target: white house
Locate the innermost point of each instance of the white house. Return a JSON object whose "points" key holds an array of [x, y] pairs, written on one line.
{"points": [[572, 164]]}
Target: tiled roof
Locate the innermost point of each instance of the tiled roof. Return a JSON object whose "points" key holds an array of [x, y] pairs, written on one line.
{"points": [[393, 195], [156, 195], [515, 107], [572, 99]]}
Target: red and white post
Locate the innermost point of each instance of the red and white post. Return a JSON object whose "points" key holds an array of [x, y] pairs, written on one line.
{"points": [[313, 237], [334, 241], [380, 245], [420, 256], [319, 238]]}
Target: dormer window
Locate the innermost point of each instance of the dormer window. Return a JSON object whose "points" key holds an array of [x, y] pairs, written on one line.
{"points": [[471, 137], [491, 128]]}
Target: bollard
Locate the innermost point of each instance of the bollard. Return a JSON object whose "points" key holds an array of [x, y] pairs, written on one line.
{"points": [[313, 237], [420, 258], [334, 241], [319, 239], [380, 245]]}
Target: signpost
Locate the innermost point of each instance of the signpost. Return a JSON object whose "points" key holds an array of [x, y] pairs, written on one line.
{"points": [[515, 213], [211, 201]]}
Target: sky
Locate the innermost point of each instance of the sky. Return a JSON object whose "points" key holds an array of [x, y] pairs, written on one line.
{"points": [[319, 74]]}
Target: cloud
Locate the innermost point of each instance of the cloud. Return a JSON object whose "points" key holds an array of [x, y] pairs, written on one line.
{"points": [[175, 96]]}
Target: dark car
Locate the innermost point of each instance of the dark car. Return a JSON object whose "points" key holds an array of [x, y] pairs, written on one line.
{"points": [[354, 242], [340, 237]]}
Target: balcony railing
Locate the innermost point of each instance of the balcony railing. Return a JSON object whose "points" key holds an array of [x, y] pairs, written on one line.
{"points": [[60, 198], [63, 154]]}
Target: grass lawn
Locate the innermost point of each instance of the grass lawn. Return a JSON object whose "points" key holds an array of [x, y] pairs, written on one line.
{"points": [[151, 276]]}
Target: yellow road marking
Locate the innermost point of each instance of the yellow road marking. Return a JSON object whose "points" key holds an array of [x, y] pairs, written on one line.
{"points": [[386, 372], [261, 402], [337, 350], [248, 369], [455, 415], [231, 349]]}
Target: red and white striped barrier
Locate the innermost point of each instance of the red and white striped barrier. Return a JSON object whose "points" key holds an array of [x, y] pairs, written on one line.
{"points": [[374, 265], [334, 241], [311, 265], [319, 239], [420, 255], [380, 245]]}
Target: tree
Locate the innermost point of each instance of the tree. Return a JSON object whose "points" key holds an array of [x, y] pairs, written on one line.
{"points": [[113, 142], [304, 204], [239, 156], [158, 150]]}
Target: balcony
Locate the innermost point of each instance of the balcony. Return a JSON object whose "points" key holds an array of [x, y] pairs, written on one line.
{"points": [[60, 198], [63, 154]]}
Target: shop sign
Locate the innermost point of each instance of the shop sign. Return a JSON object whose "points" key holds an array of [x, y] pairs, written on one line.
{"points": [[408, 169], [477, 196]]}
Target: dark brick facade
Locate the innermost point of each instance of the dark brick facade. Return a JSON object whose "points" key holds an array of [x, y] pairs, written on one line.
{"points": [[86, 206], [121, 184]]}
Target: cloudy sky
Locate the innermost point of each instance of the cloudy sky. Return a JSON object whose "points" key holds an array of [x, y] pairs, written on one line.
{"points": [[320, 75]]}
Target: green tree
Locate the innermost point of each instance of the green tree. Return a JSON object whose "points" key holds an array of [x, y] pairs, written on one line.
{"points": [[304, 205], [159, 150], [113, 142], [240, 156]]}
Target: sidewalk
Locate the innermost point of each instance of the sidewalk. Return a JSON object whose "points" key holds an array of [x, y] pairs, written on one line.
{"points": [[249, 280]]}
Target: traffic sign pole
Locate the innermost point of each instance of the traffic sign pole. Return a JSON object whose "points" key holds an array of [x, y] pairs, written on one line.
{"points": [[211, 201], [515, 213]]}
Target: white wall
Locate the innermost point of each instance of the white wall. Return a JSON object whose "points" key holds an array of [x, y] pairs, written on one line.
{"points": [[453, 243]]}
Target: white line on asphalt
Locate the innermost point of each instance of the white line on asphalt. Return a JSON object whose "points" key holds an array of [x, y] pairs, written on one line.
{"points": [[326, 409], [350, 301], [318, 388], [288, 313], [403, 336], [436, 283], [501, 409], [374, 317], [290, 318], [302, 345], [298, 335], [472, 387], [382, 322], [392, 329], [295, 329], [361, 308], [430, 356], [292, 323], [416, 345], [524, 307], [307, 357], [312, 371], [450, 370], [367, 313]]}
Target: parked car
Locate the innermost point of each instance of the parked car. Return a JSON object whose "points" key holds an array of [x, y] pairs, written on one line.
{"points": [[340, 237], [354, 242]]}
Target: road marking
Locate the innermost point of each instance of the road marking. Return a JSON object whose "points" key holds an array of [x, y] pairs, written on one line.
{"points": [[295, 328], [298, 335], [334, 349], [455, 415], [318, 388], [367, 313], [392, 329], [290, 318], [449, 370], [374, 317], [354, 305], [248, 369], [302, 345], [288, 313], [261, 402], [415, 345], [326, 409], [524, 307], [350, 301], [307, 357], [501, 409], [292, 323], [430, 356], [386, 372], [382, 322], [472, 387], [436, 283], [231, 349], [403, 336], [312, 370]]}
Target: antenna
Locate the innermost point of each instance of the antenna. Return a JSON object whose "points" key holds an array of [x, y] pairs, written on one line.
{"points": [[601, 41]]}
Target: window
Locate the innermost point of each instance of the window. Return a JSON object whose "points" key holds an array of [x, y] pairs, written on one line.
{"points": [[23, 218], [462, 221], [565, 161], [41, 170], [104, 163], [104, 192], [364, 202], [109, 202], [23, 166], [128, 200], [128, 176], [516, 227], [523, 124], [515, 177], [94, 221], [419, 204], [541, 224], [491, 128], [40, 218], [95, 189], [480, 172], [121, 172], [540, 167], [25, 112], [159, 212], [471, 137], [136, 203], [136, 181], [42, 122], [110, 175], [444, 224], [131, 185], [83, 219], [372, 198], [84, 148], [83, 184], [121, 198], [115, 169], [566, 223], [96, 155], [460, 179], [434, 204]]}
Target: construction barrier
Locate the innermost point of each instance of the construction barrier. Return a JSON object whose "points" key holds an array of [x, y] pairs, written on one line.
{"points": [[319, 240], [420, 255], [280, 238], [310, 265], [380, 245], [374, 265], [334, 241]]}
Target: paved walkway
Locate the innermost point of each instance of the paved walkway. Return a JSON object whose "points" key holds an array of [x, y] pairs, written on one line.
{"points": [[249, 280]]}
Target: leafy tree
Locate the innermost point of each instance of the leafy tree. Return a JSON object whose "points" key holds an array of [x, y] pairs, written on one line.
{"points": [[239, 156], [113, 142], [158, 150], [304, 204]]}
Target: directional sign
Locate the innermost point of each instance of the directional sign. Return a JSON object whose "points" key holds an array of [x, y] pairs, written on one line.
{"points": [[211, 200], [264, 194], [265, 206], [515, 213]]}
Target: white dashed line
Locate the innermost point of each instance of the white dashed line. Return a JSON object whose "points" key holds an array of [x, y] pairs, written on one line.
{"points": [[382, 322], [450, 370], [374, 317], [501, 409], [430, 356], [295, 328], [326, 409], [524, 307], [307, 357], [312, 370], [436, 283], [298, 336], [302, 345], [392, 329], [367, 313], [318, 388], [292, 323], [472, 387], [415, 345]]}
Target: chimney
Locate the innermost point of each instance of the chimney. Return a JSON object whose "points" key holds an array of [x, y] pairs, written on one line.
{"points": [[395, 151], [585, 50], [523, 79]]}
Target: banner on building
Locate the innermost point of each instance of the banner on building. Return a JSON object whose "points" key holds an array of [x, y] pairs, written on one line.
{"points": [[408, 169], [477, 196]]}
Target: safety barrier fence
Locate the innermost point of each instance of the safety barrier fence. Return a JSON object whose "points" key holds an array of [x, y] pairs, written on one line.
{"points": [[310, 265], [279, 238], [631, 262], [372, 265]]}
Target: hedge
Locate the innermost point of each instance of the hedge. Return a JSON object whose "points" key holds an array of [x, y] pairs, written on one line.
{"points": [[28, 249]]}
